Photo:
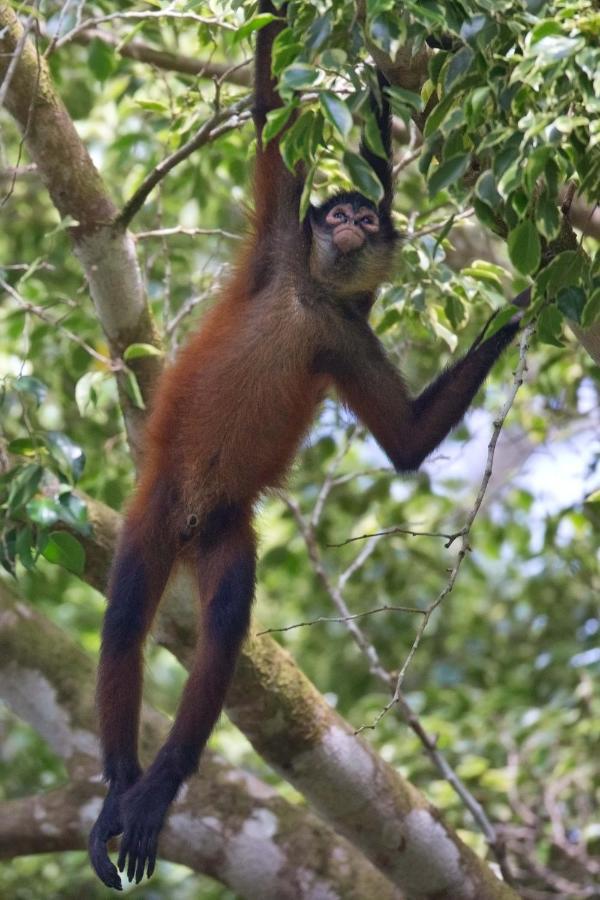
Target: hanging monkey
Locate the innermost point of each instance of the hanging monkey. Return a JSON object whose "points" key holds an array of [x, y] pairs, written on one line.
{"points": [[226, 423]]}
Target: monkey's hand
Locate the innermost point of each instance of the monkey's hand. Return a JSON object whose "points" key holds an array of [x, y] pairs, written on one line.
{"points": [[143, 811], [108, 825]]}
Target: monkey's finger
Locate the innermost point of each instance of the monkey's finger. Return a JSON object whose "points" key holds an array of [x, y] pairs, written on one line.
{"points": [[127, 844], [152, 853], [142, 855], [133, 855]]}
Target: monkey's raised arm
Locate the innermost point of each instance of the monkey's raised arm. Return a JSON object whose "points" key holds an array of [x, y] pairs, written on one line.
{"points": [[380, 107], [407, 429], [277, 191]]}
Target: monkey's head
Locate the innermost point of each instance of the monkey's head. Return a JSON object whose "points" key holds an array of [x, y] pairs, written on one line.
{"points": [[352, 244]]}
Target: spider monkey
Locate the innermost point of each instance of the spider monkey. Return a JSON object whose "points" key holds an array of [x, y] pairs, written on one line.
{"points": [[226, 422]]}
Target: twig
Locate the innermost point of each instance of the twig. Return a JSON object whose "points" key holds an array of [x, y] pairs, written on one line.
{"points": [[188, 232], [329, 479], [222, 121], [320, 619], [12, 66], [465, 531], [40, 312], [437, 226], [168, 13], [375, 665], [387, 680], [450, 538]]}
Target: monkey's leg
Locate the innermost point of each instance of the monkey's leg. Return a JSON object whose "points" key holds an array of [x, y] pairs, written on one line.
{"points": [[138, 579], [226, 581]]}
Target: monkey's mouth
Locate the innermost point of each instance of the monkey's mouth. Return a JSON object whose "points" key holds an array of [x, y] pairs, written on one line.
{"points": [[348, 238]]}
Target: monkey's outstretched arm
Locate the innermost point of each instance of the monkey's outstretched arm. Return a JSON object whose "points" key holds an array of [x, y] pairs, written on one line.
{"points": [[408, 429]]}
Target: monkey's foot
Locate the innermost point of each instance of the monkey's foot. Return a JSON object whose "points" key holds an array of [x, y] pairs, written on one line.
{"points": [[143, 810], [107, 826]]}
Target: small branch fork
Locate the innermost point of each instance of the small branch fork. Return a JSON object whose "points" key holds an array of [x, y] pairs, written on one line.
{"points": [[307, 527]]}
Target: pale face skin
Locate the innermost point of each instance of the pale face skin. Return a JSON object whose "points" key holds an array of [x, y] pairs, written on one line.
{"points": [[350, 227]]}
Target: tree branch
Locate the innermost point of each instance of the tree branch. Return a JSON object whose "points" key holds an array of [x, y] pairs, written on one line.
{"points": [[240, 74], [106, 253], [227, 823]]}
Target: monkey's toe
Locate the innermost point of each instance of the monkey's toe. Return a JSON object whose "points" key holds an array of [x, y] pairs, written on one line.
{"points": [[139, 846]]}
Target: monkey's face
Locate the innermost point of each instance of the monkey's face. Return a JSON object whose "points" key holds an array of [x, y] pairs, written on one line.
{"points": [[351, 251], [350, 225]]}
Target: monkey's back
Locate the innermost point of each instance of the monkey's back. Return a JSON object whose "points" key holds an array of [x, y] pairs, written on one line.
{"points": [[229, 414]]}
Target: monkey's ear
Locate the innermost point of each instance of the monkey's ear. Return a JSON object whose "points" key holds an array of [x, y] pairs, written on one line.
{"points": [[381, 165]]}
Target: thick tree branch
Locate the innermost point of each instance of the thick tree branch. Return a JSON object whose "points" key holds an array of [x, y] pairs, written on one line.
{"points": [[172, 62], [227, 823], [106, 252]]}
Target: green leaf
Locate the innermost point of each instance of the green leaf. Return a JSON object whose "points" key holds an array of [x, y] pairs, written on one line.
{"points": [[254, 24], [66, 452], [276, 120], [524, 247], [64, 550], [563, 271], [363, 176], [554, 48], [437, 115], [23, 486], [306, 191], [133, 389], [43, 511], [487, 192], [23, 547], [337, 112], [571, 301], [25, 446], [298, 76], [27, 384], [319, 31], [459, 65], [153, 106], [405, 97], [549, 326], [448, 172], [101, 59], [591, 313], [546, 215], [136, 351], [372, 135], [298, 141]]}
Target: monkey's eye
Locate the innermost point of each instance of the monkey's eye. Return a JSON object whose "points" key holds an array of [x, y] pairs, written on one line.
{"points": [[340, 215], [367, 220]]}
